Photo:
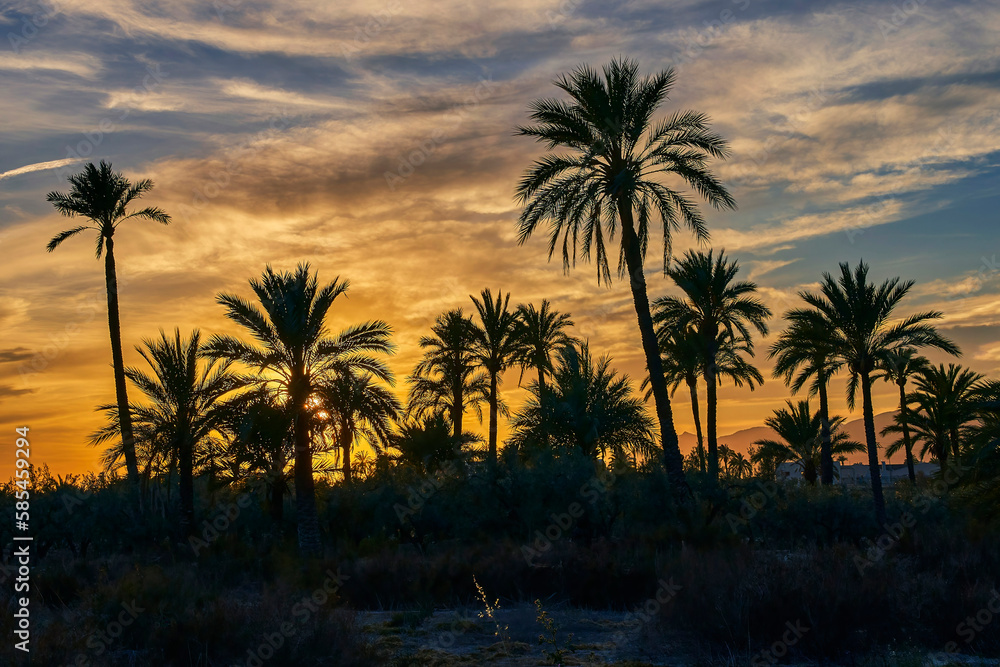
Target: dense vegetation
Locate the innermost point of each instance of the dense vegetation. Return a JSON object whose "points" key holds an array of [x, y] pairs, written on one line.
{"points": [[278, 466]]}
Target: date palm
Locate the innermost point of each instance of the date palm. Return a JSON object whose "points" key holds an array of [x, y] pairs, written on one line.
{"points": [[497, 346], [183, 405], [954, 389], [590, 408], [721, 312], [681, 358], [898, 366], [359, 406], [542, 333], [800, 430], [447, 376], [102, 196], [859, 316], [295, 352], [803, 352], [618, 173]]}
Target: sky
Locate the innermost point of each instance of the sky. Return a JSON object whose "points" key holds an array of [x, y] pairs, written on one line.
{"points": [[375, 140]]}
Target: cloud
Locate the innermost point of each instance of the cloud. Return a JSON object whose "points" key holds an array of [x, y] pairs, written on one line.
{"points": [[15, 354], [38, 166]]}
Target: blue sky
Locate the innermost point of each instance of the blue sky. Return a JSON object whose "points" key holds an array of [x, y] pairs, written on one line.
{"points": [[375, 140]]}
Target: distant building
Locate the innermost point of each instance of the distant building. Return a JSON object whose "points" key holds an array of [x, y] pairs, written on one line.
{"points": [[858, 474]]}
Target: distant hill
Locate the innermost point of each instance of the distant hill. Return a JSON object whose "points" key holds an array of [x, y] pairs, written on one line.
{"points": [[740, 441]]}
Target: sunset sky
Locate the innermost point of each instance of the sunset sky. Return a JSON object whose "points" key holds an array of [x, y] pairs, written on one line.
{"points": [[375, 141]]}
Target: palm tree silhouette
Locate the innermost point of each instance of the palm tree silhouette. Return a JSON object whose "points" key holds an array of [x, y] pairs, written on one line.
{"points": [[954, 390], [542, 333], [183, 410], [681, 358], [496, 347], [359, 406], [805, 351], [801, 431], [609, 181], [897, 367], [102, 196], [447, 377], [295, 352], [590, 408], [858, 316], [721, 312]]}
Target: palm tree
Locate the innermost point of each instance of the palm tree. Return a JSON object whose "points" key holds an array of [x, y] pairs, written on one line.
{"points": [[897, 367], [610, 177], [954, 390], [296, 353], [740, 466], [429, 443], [681, 359], [721, 311], [804, 351], [497, 345], [801, 431], [542, 333], [858, 316], [359, 406], [182, 413], [446, 377], [589, 407], [927, 424], [259, 442], [102, 196]]}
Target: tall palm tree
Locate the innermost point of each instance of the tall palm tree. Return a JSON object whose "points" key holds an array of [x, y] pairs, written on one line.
{"points": [[359, 406], [102, 196], [447, 376], [927, 423], [610, 178], [497, 346], [681, 357], [182, 411], [859, 317], [542, 333], [804, 351], [801, 431], [589, 407], [954, 388], [295, 352], [898, 366], [721, 311]]}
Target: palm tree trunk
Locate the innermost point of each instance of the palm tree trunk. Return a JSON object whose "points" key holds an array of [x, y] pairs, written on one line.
{"points": [[825, 447], [494, 402], [186, 465], [457, 401], [873, 466], [672, 458], [305, 492], [692, 384], [953, 435], [118, 360], [541, 405], [711, 416], [907, 444], [347, 439]]}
